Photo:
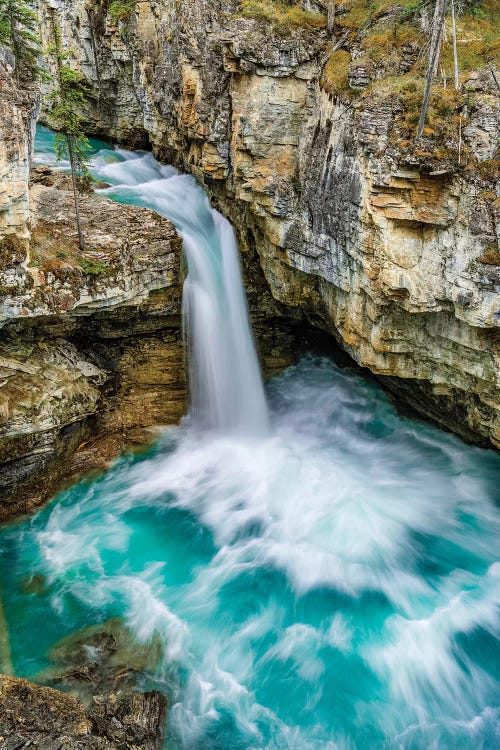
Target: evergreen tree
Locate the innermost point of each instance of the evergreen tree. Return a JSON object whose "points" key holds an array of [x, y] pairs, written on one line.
{"points": [[67, 100], [18, 25]]}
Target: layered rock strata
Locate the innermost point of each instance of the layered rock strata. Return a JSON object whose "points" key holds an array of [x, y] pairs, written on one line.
{"points": [[91, 348]]}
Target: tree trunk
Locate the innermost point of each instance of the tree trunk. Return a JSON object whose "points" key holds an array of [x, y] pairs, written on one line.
{"points": [[435, 48], [331, 16], [74, 177], [492, 70], [455, 54], [15, 47]]}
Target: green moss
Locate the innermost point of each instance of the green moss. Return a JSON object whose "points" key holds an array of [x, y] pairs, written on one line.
{"points": [[281, 14], [121, 10], [335, 74], [94, 267]]}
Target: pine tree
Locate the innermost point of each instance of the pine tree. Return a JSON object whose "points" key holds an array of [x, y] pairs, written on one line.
{"points": [[67, 100], [18, 25]]}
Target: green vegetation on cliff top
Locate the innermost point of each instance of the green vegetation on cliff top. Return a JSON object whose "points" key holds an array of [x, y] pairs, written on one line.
{"points": [[282, 14], [391, 46]]}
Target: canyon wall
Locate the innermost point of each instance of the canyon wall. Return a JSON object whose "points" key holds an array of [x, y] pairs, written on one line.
{"points": [[91, 351], [389, 247]]}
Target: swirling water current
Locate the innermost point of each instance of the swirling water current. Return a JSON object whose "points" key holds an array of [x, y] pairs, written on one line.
{"points": [[330, 582]]}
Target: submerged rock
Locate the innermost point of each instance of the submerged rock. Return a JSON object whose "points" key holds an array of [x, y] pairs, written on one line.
{"points": [[101, 659]]}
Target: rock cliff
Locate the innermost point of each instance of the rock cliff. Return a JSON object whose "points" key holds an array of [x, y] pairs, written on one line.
{"points": [[304, 140]]}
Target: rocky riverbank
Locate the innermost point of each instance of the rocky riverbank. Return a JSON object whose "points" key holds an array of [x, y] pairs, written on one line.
{"points": [[42, 718]]}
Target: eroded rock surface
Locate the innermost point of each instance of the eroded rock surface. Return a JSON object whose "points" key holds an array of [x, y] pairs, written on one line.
{"points": [[45, 719], [102, 667]]}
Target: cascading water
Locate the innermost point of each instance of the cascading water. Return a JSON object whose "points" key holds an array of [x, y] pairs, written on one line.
{"points": [[226, 386], [225, 383], [332, 585]]}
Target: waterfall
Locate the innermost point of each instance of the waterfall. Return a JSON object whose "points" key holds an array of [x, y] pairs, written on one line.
{"points": [[226, 387], [225, 383]]}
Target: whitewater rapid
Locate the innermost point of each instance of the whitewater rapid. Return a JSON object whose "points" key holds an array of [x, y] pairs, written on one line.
{"points": [[331, 583]]}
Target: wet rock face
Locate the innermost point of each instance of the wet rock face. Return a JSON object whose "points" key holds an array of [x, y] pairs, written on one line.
{"points": [[394, 254], [46, 719]]}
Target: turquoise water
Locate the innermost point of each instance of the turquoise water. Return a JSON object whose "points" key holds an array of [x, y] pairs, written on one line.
{"points": [[333, 584]]}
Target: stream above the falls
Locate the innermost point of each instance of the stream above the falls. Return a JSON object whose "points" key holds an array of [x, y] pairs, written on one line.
{"points": [[328, 578]]}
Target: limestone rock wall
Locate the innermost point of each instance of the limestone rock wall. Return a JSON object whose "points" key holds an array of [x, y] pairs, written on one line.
{"points": [[393, 252], [91, 351]]}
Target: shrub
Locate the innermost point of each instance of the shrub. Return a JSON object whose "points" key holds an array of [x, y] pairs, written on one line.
{"points": [[335, 74], [94, 267], [490, 256], [121, 10]]}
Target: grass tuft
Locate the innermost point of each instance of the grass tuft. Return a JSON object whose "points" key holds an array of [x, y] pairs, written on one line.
{"points": [[335, 74]]}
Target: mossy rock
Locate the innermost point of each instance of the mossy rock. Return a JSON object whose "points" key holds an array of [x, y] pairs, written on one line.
{"points": [[12, 250]]}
